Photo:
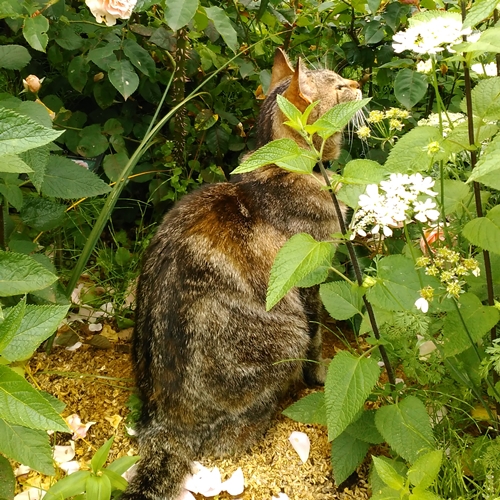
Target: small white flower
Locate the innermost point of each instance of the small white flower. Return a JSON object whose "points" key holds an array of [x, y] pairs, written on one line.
{"points": [[489, 69], [426, 211], [424, 66], [422, 304]]}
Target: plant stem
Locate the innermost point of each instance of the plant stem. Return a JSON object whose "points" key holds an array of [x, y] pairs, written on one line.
{"points": [[359, 277]]}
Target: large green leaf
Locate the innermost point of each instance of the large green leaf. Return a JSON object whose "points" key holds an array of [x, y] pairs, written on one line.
{"points": [[485, 100], [406, 426], [37, 160], [485, 231], [14, 56], [487, 170], [223, 26], [123, 78], [19, 133], [283, 152], [480, 10], [349, 382], [21, 404], [410, 87], [11, 323], [178, 14], [341, 299], [35, 31], [42, 214], [139, 57], [364, 428], [456, 195], [65, 179], [12, 164], [297, 258], [37, 325], [363, 172], [309, 410], [28, 446], [20, 274], [347, 453], [478, 319]]}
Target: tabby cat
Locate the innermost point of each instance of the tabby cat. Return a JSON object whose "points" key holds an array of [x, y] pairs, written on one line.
{"points": [[208, 357]]}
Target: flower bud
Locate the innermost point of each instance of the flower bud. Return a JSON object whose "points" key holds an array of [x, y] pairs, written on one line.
{"points": [[98, 77], [32, 84]]}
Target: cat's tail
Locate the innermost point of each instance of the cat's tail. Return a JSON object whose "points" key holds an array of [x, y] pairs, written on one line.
{"points": [[160, 475]]}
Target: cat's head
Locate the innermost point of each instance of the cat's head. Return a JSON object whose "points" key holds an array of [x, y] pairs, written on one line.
{"points": [[302, 86]]}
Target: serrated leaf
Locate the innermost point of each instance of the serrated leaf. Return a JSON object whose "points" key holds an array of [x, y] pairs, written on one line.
{"points": [[37, 325], [13, 194], [11, 323], [480, 10], [7, 479], [35, 31], [223, 26], [139, 57], [349, 382], [122, 76], [298, 257], [484, 232], [37, 159], [29, 446], [20, 274], [78, 72], [388, 474], [378, 485], [42, 214], [14, 57], [69, 486], [409, 154], [406, 427], [478, 319], [12, 164], [346, 455], [65, 179], [425, 470], [456, 194], [364, 428], [290, 111], [335, 119], [178, 14], [363, 172], [309, 410], [21, 404], [283, 152], [410, 87], [487, 169], [341, 299], [485, 100], [18, 133]]}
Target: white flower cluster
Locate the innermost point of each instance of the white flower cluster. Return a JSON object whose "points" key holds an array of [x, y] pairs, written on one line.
{"points": [[450, 121], [394, 202], [430, 36]]}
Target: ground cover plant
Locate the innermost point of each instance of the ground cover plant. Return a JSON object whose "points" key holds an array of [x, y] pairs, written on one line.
{"points": [[415, 270]]}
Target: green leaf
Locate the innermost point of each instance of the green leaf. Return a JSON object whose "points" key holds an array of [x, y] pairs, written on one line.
{"points": [[485, 100], [12, 194], [65, 179], [20, 274], [37, 160], [116, 480], [7, 479], [410, 87], [480, 10], [101, 455], [37, 325], [418, 494], [12, 164], [223, 26], [309, 410], [104, 57], [69, 486], [406, 427], [298, 257], [122, 464], [347, 454], [386, 494], [14, 57], [376, 483], [35, 31], [113, 165], [364, 428], [11, 323], [291, 112], [485, 231], [456, 195], [349, 382], [388, 474], [425, 470], [139, 57], [283, 152], [98, 487], [178, 14], [487, 169], [335, 119], [29, 446], [21, 404], [341, 299], [363, 172], [122, 76], [78, 72], [68, 39], [478, 319], [92, 142], [19, 133], [42, 214], [398, 284], [409, 154]]}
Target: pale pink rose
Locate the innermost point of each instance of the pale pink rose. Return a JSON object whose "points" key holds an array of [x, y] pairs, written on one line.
{"points": [[432, 235], [111, 10]]}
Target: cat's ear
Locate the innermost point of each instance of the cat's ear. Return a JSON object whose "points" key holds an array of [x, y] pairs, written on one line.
{"points": [[281, 68], [299, 92]]}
